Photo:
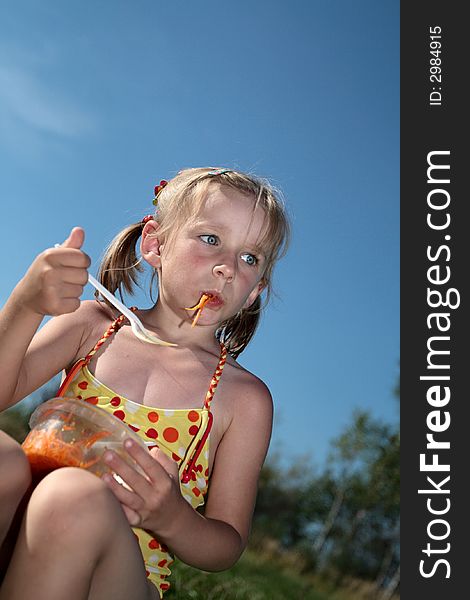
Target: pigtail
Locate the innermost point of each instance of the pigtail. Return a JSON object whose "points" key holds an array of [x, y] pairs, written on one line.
{"points": [[235, 333], [120, 266]]}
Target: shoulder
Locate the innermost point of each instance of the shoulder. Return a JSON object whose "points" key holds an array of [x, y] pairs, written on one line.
{"points": [[94, 312], [93, 318], [80, 329], [89, 315], [250, 395]]}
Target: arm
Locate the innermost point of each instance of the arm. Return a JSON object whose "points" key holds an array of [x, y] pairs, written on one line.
{"points": [[213, 541], [51, 286]]}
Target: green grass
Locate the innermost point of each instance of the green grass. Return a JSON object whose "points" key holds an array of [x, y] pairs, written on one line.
{"points": [[252, 578]]}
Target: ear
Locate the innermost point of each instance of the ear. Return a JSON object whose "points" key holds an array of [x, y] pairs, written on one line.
{"points": [[150, 244], [255, 292]]}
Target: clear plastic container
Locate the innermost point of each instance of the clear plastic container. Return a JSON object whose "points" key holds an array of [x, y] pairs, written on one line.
{"points": [[67, 432]]}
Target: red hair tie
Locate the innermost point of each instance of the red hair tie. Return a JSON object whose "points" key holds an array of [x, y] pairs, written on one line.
{"points": [[147, 218], [158, 189]]}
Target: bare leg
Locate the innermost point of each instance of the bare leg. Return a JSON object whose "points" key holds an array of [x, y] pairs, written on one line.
{"points": [[15, 479], [75, 543]]}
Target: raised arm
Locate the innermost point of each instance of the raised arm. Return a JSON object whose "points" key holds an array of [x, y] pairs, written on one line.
{"points": [[52, 286]]}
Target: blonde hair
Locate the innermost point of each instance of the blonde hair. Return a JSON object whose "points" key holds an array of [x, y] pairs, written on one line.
{"points": [[180, 201]]}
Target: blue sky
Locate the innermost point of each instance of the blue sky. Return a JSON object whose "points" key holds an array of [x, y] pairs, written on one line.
{"points": [[100, 100]]}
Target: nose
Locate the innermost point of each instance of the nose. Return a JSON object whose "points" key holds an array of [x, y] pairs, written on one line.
{"points": [[224, 269]]}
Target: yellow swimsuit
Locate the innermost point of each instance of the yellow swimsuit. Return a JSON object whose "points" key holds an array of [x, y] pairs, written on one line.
{"points": [[182, 434]]}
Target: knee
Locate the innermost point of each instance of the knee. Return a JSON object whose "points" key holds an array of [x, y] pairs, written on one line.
{"points": [[73, 502], [15, 472]]}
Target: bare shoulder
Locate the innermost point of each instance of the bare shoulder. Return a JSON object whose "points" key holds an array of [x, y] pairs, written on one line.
{"points": [[247, 391], [92, 318], [92, 312], [70, 334]]}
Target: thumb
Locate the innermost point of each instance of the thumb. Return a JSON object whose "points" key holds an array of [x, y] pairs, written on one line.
{"points": [[75, 239]]}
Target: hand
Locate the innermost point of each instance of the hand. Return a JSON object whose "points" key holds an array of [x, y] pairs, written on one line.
{"points": [[55, 280], [154, 500]]}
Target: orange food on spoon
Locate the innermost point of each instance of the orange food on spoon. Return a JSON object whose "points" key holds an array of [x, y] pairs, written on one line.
{"points": [[199, 307]]}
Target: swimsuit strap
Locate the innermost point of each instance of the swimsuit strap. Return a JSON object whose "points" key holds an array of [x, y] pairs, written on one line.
{"points": [[115, 325], [82, 362], [216, 377]]}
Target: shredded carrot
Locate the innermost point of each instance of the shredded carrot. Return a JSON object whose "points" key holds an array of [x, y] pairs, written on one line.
{"points": [[46, 451], [199, 307]]}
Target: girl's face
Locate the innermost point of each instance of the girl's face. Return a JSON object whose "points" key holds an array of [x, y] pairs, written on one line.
{"points": [[217, 253]]}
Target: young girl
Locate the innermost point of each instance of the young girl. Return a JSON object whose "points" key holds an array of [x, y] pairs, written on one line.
{"points": [[212, 243]]}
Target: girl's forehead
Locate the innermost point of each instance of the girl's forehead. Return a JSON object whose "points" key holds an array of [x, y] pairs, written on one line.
{"points": [[222, 200], [231, 209]]}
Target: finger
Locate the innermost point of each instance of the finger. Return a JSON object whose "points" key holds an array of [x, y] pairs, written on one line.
{"points": [[70, 290], [121, 490], [71, 258], [126, 498], [151, 466], [75, 239], [73, 275], [137, 482], [67, 305], [133, 517]]}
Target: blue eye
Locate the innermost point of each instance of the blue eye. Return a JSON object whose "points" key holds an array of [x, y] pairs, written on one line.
{"points": [[209, 239], [249, 259]]}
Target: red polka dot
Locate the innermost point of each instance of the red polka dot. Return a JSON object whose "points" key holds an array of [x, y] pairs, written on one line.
{"points": [[193, 416], [170, 434], [199, 468], [79, 397], [116, 401], [120, 414], [196, 491], [153, 544], [162, 563], [164, 586], [133, 427], [83, 385], [152, 416], [175, 456], [193, 429], [152, 433], [206, 472], [164, 548], [92, 400]]}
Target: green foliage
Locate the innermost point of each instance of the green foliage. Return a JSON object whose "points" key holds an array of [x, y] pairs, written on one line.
{"points": [[344, 522], [252, 578], [14, 420]]}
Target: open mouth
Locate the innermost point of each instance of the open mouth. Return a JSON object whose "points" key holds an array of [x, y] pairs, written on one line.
{"points": [[199, 307]]}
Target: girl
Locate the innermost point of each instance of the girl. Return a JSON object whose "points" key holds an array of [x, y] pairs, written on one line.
{"points": [[212, 244]]}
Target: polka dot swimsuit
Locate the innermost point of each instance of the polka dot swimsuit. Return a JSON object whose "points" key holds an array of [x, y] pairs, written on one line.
{"points": [[182, 434]]}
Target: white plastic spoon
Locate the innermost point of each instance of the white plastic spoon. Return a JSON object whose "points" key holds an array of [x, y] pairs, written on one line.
{"points": [[137, 327], [136, 324]]}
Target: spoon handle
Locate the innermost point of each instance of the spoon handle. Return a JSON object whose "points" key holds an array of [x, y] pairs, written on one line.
{"points": [[114, 301]]}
